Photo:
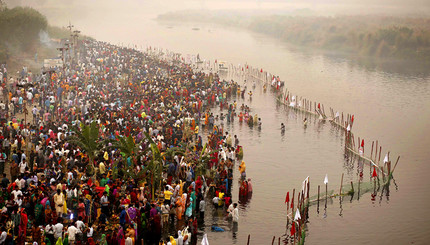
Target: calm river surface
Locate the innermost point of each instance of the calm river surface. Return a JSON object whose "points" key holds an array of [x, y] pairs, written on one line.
{"points": [[389, 107]]}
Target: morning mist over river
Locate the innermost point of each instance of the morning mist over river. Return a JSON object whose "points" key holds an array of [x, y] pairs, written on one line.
{"points": [[390, 102]]}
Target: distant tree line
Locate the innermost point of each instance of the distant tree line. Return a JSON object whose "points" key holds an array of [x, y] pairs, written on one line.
{"points": [[19, 30], [375, 36]]}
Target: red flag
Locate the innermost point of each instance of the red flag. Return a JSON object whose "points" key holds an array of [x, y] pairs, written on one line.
{"points": [[319, 106], [261, 70], [362, 143], [374, 173], [352, 118], [293, 229], [287, 198], [246, 66], [286, 98], [242, 68], [292, 204], [215, 61]]}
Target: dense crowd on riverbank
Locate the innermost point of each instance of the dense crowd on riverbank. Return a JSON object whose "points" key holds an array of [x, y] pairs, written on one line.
{"points": [[114, 152]]}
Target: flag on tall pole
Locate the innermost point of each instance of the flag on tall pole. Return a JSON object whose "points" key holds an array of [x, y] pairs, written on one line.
{"points": [[362, 143], [297, 215], [293, 229], [374, 174], [287, 198]]}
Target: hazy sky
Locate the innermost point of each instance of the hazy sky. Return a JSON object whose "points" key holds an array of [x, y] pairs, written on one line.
{"points": [[387, 7]]}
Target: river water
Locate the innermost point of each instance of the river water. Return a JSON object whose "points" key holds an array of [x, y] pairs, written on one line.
{"points": [[392, 107]]}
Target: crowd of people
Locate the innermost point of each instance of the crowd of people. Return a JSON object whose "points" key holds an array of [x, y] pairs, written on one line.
{"points": [[109, 149]]}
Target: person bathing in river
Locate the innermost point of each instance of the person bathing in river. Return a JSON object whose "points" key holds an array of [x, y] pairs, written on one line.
{"points": [[305, 122], [282, 127], [242, 170]]}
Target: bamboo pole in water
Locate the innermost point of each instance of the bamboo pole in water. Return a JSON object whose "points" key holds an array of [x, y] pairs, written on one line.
{"points": [[273, 240], [376, 150], [326, 195], [371, 153], [359, 180], [395, 165], [341, 183], [380, 150], [318, 200], [249, 237]]}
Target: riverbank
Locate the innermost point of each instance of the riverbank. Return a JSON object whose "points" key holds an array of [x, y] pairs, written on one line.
{"points": [[377, 37]]}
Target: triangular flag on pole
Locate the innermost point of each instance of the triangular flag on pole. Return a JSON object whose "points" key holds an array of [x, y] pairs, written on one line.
{"points": [[286, 98], [348, 128], [297, 215], [337, 114], [261, 70], [362, 143], [293, 229], [386, 158], [352, 118], [326, 179], [287, 198], [374, 173], [319, 106]]}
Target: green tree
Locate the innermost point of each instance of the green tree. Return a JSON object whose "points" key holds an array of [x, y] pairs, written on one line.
{"points": [[155, 165], [88, 140]]}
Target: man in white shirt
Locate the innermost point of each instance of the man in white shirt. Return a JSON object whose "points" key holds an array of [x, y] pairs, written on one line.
{"points": [[16, 193], [80, 224], [22, 166], [72, 230], [90, 230], [58, 229], [235, 213]]}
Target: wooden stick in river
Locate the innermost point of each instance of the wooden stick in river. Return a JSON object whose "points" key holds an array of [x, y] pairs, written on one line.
{"points": [[249, 237], [341, 182], [292, 201], [371, 153], [380, 150], [279, 240], [376, 151], [326, 195], [359, 180], [395, 165], [318, 200], [273, 240]]}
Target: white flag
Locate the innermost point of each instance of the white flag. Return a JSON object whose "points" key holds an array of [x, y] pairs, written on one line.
{"points": [[326, 179], [305, 185], [297, 215], [348, 128], [386, 158], [337, 115], [205, 240]]}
